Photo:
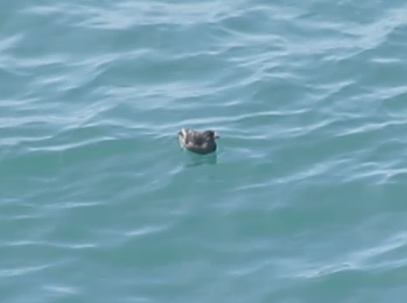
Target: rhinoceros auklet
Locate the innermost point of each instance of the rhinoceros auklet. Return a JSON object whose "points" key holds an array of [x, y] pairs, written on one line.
{"points": [[198, 142]]}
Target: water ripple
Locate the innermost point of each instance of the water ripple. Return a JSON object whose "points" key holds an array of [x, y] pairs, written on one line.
{"points": [[306, 191]]}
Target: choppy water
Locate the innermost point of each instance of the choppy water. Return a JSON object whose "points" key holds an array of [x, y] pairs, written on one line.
{"points": [[305, 200]]}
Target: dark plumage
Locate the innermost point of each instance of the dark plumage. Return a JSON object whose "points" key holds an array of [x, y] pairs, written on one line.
{"points": [[198, 142]]}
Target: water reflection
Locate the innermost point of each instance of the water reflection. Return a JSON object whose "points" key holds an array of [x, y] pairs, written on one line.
{"points": [[196, 160]]}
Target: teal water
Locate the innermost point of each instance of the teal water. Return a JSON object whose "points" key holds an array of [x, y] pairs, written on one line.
{"points": [[304, 200]]}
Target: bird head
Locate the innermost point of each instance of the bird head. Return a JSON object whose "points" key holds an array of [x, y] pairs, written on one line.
{"points": [[211, 134]]}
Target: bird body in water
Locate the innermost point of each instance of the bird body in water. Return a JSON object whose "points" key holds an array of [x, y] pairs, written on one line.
{"points": [[198, 142]]}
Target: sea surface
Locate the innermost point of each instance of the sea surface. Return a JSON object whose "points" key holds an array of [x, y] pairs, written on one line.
{"points": [[305, 200]]}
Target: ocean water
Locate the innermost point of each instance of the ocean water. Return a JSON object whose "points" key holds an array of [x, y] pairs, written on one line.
{"points": [[305, 199]]}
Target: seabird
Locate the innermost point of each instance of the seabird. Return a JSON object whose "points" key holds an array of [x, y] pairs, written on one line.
{"points": [[198, 142]]}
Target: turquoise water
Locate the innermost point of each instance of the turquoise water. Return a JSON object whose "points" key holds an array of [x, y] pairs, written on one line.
{"points": [[304, 201]]}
